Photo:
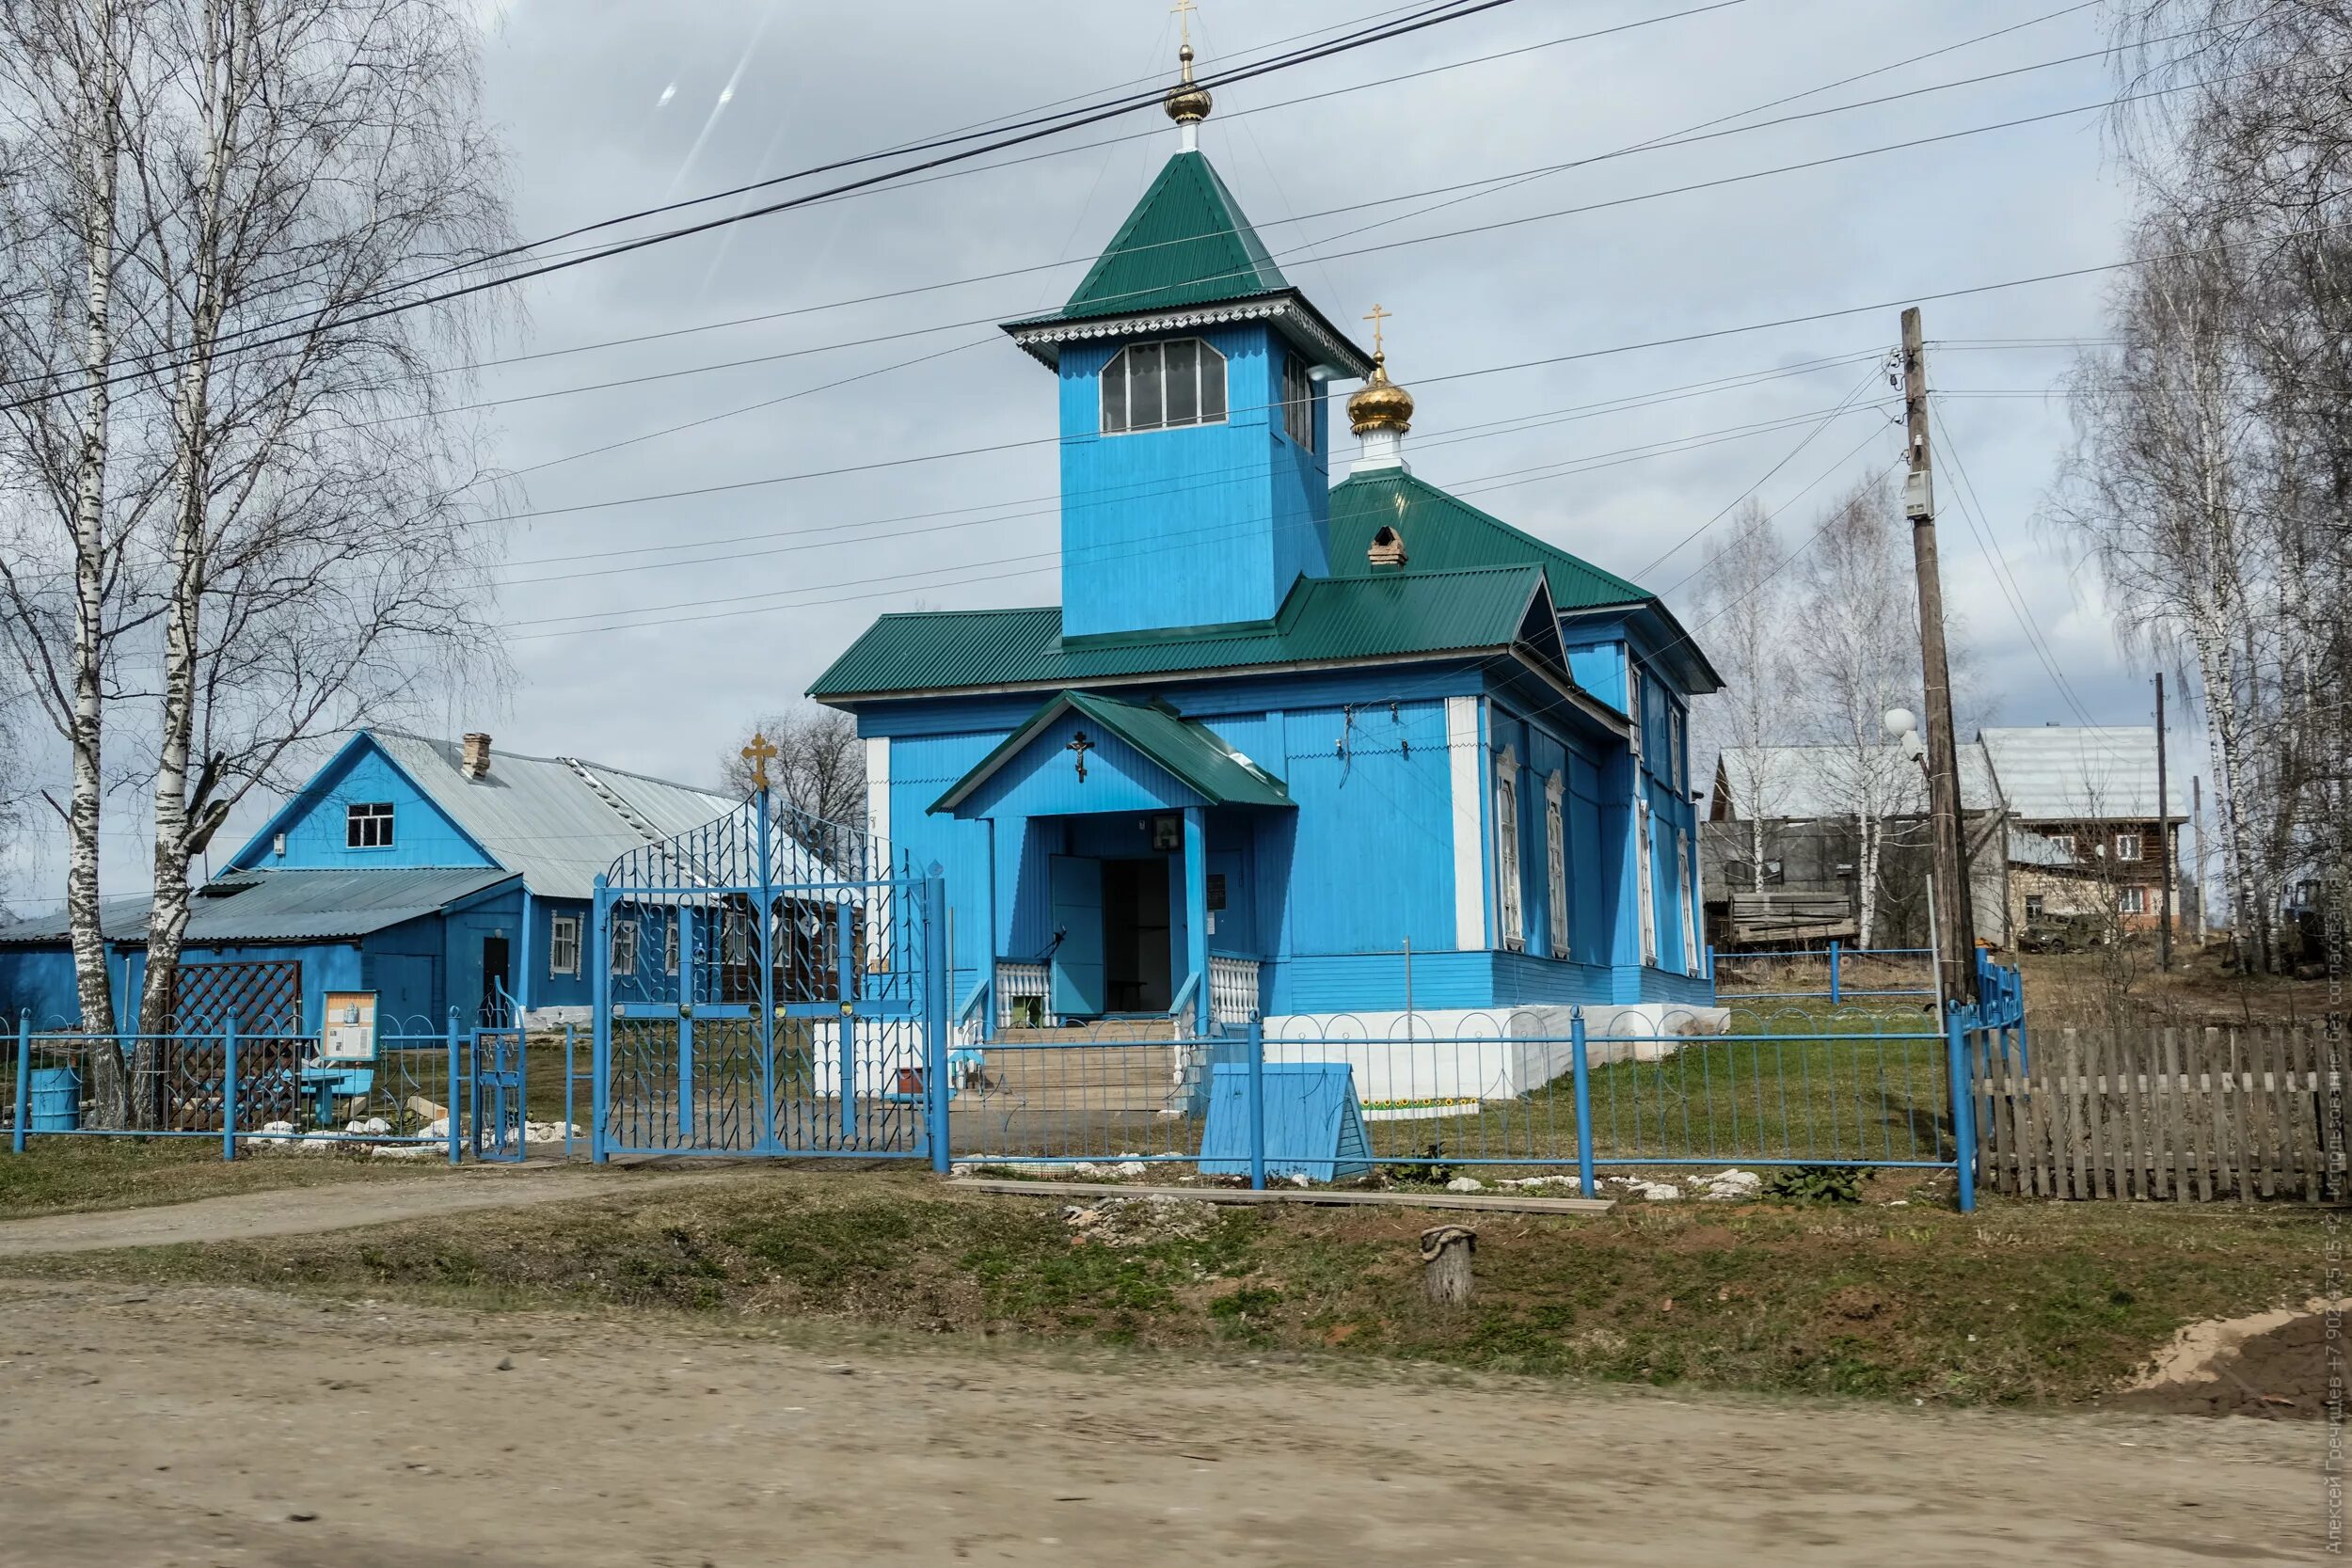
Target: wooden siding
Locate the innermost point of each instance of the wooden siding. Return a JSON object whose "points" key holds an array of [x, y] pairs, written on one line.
{"points": [[421, 834], [1199, 526]]}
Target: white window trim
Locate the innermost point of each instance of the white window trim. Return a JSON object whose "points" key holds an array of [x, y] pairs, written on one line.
{"points": [[1200, 381], [2136, 841], [1511, 918], [1644, 893], [624, 948], [670, 941], [1677, 769], [564, 945], [1689, 920], [1556, 863], [383, 811], [2131, 900]]}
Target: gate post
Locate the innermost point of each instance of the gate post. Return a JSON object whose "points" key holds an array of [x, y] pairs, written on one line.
{"points": [[1963, 1095], [23, 1081], [600, 1015], [1833, 967], [935, 1010], [451, 1118], [1257, 1104], [1580, 1066], [228, 1089]]}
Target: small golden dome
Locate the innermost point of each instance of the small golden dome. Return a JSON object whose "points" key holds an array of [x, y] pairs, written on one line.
{"points": [[1382, 404], [1188, 104]]}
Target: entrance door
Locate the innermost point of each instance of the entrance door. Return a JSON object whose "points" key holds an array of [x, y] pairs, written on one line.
{"points": [[1138, 964], [494, 978], [1074, 895]]}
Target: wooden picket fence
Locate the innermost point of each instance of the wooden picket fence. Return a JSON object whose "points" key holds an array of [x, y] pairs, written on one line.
{"points": [[2182, 1115]]}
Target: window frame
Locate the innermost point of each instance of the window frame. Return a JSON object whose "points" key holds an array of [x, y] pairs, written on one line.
{"points": [[562, 940], [1645, 893], [1299, 395], [670, 941], [2136, 841], [1687, 877], [2066, 841], [360, 818], [624, 957], [1118, 370], [1510, 899], [1556, 863], [2131, 898]]}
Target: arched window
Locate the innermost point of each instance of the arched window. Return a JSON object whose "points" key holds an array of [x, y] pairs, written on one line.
{"points": [[1556, 860], [1163, 387]]}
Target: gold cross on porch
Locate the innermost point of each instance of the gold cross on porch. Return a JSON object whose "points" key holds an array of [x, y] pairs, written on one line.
{"points": [[759, 754], [1080, 744]]}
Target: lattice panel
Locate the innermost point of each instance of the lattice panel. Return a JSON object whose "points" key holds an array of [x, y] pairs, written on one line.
{"points": [[264, 997]]}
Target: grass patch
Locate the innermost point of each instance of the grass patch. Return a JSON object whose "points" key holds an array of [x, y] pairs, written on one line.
{"points": [[2017, 1305], [59, 1176]]}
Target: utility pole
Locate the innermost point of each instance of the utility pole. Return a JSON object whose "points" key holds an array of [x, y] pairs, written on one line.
{"points": [[2164, 836], [1957, 938]]}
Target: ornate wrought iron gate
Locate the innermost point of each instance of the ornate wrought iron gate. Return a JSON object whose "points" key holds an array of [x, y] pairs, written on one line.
{"points": [[770, 984]]}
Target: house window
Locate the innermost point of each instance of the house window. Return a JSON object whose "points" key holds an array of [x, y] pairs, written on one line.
{"points": [[1645, 888], [1509, 915], [563, 946], [1690, 921], [735, 938], [1163, 387], [669, 945], [624, 947], [1556, 862], [1298, 401], [367, 824], [2131, 900], [1634, 709], [2036, 906], [2127, 847], [2065, 842], [1678, 766]]}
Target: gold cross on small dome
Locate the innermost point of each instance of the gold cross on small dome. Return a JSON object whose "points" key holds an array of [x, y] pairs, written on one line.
{"points": [[1183, 10], [1379, 314], [758, 754]]}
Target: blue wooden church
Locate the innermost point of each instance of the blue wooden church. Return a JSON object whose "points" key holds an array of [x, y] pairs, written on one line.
{"points": [[1282, 748]]}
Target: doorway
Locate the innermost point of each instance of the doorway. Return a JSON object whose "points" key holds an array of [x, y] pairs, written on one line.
{"points": [[494, 978], [1138, 967]]}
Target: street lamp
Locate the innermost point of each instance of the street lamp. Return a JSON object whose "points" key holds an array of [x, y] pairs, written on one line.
{"points": [[1904, 726]]}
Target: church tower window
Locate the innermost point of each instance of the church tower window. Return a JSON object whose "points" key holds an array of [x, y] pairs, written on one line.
{"points": [[1163, 385], [1298, 401]]}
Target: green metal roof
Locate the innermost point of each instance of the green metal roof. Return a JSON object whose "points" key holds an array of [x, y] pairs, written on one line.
{"points": [[1195, 754], [1445, 533], [1325, 619], [1186, 242]]}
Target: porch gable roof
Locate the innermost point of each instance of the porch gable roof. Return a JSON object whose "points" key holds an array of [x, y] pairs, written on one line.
{"points": [[1191, 752]]}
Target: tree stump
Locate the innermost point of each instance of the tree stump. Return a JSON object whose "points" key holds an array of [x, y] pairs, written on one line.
{"points": [[1445, 1256]]}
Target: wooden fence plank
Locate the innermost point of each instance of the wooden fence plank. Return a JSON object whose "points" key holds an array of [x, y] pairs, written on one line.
{"points": [[2217, 1156], [2176, 1133], [2022, 1127], [2075, 1159], [2135, 1061], [2305, 1123], [2159, 1118], [2262, 1060], [2094, 1114]]}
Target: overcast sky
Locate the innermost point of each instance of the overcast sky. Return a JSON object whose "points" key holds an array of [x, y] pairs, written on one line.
{"points": [[621, 103]]}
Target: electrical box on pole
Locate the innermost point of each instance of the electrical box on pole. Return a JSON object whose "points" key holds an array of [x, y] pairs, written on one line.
{"points": [[1956, 930]]}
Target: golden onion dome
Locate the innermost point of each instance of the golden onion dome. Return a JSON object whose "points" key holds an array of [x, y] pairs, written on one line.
{"points": [[1187, 104], [1382, 404]]}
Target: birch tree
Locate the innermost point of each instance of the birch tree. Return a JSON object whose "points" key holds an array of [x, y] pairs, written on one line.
{"points": [[67, 505], [1856, 634], [1743, 601], [318, 568]]}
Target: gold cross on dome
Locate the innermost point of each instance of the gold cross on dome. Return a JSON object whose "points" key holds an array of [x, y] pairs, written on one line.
{"points": [[1378, 315], [1183, 10], [758, 754]]}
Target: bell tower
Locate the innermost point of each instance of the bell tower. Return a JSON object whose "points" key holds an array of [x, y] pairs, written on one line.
{"points": [[1195, 431]]}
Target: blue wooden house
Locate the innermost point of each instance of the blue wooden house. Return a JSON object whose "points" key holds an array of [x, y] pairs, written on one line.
{"points": [[1282, 748], [435, 874]]}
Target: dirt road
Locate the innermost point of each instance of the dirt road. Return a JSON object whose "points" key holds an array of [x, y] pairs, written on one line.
{"points": [[183, 1427], [307, 1210]]}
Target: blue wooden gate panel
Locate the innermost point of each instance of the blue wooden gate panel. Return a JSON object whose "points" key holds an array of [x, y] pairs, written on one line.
{"points": [[770, 984]]}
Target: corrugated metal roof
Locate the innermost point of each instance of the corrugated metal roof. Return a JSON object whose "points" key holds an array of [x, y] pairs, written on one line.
{"points": [[2071, 773], [1197, 756], [287, 906], [1806, 782], [1445, 533], [1324, 620], [557, 820], [1186, 242]]}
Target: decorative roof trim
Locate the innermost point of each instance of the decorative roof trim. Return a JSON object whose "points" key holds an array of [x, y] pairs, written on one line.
{"points": [[1044, 337]]}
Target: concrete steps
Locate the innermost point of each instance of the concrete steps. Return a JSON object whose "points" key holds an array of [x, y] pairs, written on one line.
{"points": [[1123, 1065]]}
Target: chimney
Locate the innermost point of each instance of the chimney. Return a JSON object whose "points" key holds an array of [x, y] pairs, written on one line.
{"points": [[1388, 548], [476, 761]]}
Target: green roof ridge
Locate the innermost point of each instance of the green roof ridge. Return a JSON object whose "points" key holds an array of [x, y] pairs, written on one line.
{"points": [[1186, 242]]}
